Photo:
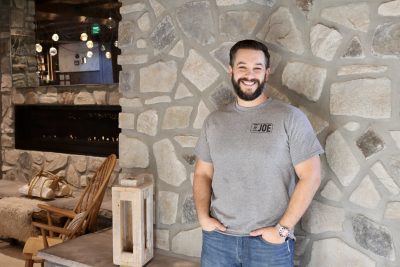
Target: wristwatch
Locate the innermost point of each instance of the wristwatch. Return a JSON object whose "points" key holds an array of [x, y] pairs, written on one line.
{"points": [[283, 231]]}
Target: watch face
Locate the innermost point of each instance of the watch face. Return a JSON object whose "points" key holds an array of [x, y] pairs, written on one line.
{"points": [[283, 231]]}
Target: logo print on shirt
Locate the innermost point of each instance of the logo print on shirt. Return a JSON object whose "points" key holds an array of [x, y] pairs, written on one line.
{"points": [[261, 128]]}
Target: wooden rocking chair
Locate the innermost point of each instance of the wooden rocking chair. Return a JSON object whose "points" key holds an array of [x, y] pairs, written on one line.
{"points": [[80, 220]]}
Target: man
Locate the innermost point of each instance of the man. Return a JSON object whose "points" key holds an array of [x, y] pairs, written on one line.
{"points": [[249, 155]]}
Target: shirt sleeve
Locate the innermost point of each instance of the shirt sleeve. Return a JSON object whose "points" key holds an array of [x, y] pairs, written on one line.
{"points": [[202, 149], [303, 142]]}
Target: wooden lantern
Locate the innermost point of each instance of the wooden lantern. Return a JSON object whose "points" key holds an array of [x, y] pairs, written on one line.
{"points": [[132, 207]]}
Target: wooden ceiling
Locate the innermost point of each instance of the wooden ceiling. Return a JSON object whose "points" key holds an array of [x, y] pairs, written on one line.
{"points": [[69, 18]]}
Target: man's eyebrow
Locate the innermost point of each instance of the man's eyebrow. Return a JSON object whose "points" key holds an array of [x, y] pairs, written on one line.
{"points": [[242, 62]]}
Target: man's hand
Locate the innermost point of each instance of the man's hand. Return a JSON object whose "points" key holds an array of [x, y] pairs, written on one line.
{"points": [[210, 224], [270, 234]]}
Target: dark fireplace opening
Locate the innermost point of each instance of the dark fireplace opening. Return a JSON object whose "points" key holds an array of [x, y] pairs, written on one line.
{"points": [[72, 129]]}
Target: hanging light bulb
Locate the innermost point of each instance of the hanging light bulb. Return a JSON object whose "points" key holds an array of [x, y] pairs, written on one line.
{"points": [[110, 23], [89, 54], [108, 54], [84, 36], [53, 51], [55, 37], [102, 48], [89, 44], [38, 48], [116, 43]]}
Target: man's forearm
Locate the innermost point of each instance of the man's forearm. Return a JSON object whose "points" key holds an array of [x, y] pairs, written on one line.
{"points": [[309, 180], [299, 202], [202, 195]]}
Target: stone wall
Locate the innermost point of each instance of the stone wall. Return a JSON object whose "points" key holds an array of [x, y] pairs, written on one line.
{"points": [[337, 61]]}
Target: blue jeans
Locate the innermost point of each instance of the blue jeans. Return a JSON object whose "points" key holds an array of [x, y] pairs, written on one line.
{"points": [[222, 250]]}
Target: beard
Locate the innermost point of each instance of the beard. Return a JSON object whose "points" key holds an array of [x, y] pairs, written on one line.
{"points": [[245, 96]]}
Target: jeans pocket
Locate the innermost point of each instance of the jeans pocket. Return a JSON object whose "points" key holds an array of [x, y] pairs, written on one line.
{"points": [[269, 243]]}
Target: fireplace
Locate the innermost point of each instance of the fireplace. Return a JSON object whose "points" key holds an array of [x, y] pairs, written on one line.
{"points": [[72, 129]]}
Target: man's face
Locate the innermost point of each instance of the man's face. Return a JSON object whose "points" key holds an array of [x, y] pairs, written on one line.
{"points": [[248, 74]]}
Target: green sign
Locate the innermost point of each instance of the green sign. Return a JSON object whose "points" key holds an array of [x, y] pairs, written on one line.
{"points": [[95, 28]]}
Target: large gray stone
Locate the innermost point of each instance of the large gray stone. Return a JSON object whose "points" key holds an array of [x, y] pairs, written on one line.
{"points": [[125, 33], [83, 98], [385, 178], [163, 34], [196, 21], [144, 22], [390, 9], [177, 117], [188, 243], [158, 99], [186, 140], [396, 137], [79, 162], [221, 54], [360, 69], [73, 176], [387, 40], [333, 252], [126, 120], [353, 16], [304, 79], [189, 214], [366, 188], [394, 165], [324, 41], [320, 218], [167, 207], [182, 92], [161, 239], [130, 8], [237, 23], [127, 83], [132, 58], [202, 113], [331, 191], [166, 73], [147, 122], [392, 211], [281, 30], [230, 2], [370, 143], [367, 98], [372, 236], [170, 169], [198, 71], [133, 153], [178, 50], [340, 158], [354, 50], [55, 161], [157, 7]]}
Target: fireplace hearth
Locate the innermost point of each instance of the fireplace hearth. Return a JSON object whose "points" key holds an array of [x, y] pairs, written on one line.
{"points": [[72, 129]]}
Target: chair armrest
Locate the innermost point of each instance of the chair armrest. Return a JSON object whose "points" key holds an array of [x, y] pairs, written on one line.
{"points": [[52, 228], [60, 211]]}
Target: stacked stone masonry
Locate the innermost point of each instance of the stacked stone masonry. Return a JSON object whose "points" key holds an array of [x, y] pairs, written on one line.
{"points": [[336, 60]]}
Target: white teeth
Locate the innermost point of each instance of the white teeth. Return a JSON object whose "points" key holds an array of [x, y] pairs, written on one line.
{"points": [[248, 82]]}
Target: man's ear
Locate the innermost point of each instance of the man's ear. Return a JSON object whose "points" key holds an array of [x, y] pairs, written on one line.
{"points": [[230, 71], [267, 73]]}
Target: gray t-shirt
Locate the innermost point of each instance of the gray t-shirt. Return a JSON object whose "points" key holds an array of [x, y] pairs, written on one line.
{"points": [[253, 152]]}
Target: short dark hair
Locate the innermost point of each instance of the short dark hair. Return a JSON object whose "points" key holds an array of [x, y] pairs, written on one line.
{"points": [[249, 44]]}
